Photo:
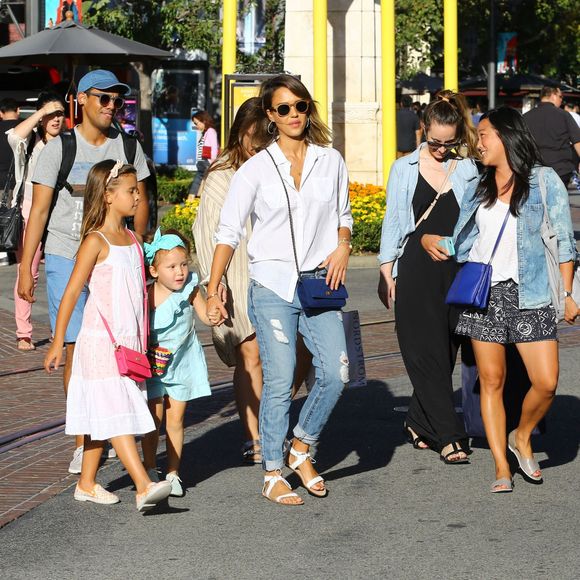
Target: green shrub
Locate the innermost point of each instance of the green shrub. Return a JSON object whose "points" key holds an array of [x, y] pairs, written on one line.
{"points": [[172, 190], [182, 173], [366, 236]]}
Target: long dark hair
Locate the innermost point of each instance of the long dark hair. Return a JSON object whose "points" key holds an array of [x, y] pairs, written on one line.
{"points": [[521, 153], [316, 132], [249, 116], [450, 108]]}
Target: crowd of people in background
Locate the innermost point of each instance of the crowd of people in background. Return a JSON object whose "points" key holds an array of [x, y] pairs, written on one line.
{"points": [[274, 224]]}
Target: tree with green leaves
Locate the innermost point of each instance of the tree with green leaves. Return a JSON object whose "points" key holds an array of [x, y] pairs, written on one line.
{"points": [[418, 34], [189, 25], [185, 25], [548, 35]]}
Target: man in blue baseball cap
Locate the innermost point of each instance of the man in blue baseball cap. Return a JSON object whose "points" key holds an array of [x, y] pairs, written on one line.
{"points": [[100, 94], [103, 80]]}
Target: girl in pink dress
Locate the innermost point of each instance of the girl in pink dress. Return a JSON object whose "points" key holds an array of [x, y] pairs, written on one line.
{"points": [[102, 404]]}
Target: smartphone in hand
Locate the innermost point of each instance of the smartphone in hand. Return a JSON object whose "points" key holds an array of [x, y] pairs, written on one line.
{"points": [[447, 244]]}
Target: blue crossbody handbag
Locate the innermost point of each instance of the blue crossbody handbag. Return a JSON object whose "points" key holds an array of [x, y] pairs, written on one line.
{"points": [[472, 284], [314, 293]]}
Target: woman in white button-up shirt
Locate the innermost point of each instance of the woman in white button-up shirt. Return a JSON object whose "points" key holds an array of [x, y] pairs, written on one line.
{"points": [[316, 181]]}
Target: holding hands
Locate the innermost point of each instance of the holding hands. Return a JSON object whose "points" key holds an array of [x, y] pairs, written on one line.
{"points": [[216, 310]]}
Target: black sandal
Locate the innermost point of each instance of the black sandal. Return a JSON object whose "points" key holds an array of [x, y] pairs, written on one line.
{"points": [[252, 452], [456, 448], [415, 440]]}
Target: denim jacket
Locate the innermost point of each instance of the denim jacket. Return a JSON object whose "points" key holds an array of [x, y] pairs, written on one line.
{"points": [[399, 221], [534, 289]]}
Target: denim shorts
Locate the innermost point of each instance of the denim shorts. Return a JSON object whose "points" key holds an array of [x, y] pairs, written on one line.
{"points": [[503, 322], [58, 271]]}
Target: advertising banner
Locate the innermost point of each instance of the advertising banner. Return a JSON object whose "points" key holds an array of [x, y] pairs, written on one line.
{"points": [[177, 94], [174, 142], [507, 52], [55, 11]]}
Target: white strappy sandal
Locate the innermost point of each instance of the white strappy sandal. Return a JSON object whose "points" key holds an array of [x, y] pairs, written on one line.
{"points": [[270, 481], [301, 457]]}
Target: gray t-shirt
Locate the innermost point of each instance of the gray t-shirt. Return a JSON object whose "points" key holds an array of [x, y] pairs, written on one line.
{"points": [[64, 226]]}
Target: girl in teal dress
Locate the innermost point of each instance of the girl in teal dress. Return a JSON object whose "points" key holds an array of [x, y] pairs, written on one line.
{"points": [[177, 359]]}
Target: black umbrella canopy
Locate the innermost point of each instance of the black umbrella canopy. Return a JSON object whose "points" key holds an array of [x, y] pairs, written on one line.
{"points": [[72, 43]]}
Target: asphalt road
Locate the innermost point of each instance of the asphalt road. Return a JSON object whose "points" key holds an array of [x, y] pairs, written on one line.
{"points": [[392, 511]]}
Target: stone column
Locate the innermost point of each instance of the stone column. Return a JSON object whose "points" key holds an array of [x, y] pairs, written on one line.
{"points": [[353, 76]]}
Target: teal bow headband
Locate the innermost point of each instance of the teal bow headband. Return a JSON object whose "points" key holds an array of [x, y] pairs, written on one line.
{"points": [[161, 242]]}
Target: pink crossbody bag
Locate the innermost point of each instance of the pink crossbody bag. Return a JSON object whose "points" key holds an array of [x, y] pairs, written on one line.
{"points": [[132, 363]]}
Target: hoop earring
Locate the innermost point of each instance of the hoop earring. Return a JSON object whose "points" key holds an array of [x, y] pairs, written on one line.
{"points": [[308, 123], [271, 127]]}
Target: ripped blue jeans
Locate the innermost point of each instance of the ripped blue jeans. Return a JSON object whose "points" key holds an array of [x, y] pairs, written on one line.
{"points": [[277, 323]]}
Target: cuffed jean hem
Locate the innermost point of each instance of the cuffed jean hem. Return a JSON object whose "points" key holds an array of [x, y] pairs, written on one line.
{"points": [[301, 435], [273, 464]]}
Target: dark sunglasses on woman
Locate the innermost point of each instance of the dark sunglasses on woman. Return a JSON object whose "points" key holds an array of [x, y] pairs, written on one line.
{"points": [[448, 146], [284, 109], [105, 99]]}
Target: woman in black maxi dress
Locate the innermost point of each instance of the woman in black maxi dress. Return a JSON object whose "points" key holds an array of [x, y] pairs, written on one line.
{"points": [[425, 324], [416, 272]]}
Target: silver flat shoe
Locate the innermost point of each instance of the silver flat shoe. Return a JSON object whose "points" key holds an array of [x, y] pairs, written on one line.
{"points": [[528, 466], [509, 483]]}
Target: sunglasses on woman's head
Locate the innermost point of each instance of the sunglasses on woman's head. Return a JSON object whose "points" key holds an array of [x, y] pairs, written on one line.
{"points": [[448, 146], [284, 109], [105, 99]]}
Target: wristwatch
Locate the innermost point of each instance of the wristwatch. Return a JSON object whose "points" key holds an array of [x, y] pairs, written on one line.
{"points": [[567, 294], [345, 241]]}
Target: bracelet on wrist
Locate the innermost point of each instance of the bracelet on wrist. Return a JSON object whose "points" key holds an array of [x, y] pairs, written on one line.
{"points": [[346, 242], [213, 295]]}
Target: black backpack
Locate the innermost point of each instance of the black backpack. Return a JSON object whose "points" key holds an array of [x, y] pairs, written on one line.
{"points": [[69, 151]]}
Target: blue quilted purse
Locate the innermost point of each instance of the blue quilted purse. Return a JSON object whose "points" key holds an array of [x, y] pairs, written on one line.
{"points": [[314, 293], [472, 284]]}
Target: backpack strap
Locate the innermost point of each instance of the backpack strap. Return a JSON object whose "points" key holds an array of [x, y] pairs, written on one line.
{"points": [[69, 151], [129, 147]]}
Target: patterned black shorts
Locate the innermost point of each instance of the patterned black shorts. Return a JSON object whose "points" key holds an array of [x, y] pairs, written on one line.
{"points": [[504, 323]]}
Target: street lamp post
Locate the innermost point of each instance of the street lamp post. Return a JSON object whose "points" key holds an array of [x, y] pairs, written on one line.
{"points": [[491, 64]]}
